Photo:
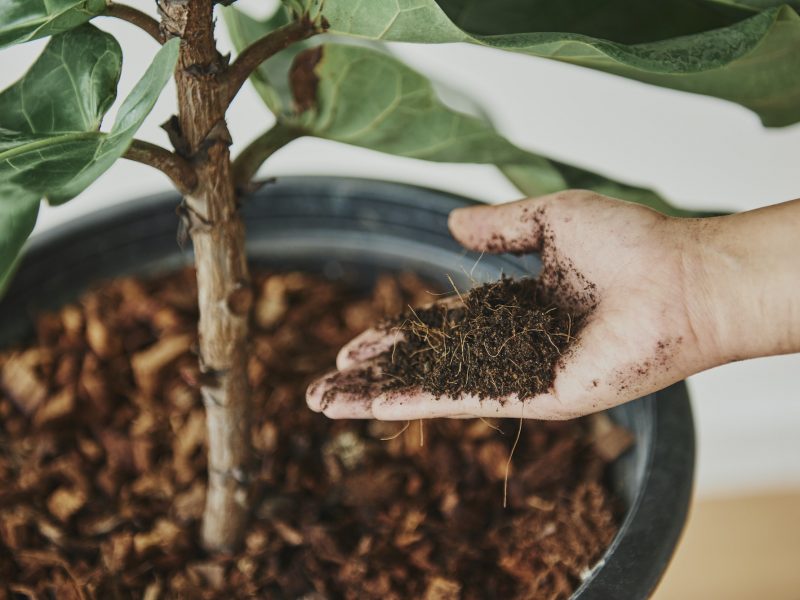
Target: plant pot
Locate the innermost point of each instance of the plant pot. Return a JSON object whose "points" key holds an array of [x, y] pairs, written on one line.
{"points": [[353, 229]]}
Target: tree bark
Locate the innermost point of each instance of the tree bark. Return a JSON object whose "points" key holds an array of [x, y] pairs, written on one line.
{"points": [[212, 215]]}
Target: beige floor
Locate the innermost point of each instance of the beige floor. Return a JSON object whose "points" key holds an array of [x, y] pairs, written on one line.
{"points": [[738, 549]]}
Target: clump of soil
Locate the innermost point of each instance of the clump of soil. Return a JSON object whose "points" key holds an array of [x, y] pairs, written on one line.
{"points": [[501, 338], [102, 466]]}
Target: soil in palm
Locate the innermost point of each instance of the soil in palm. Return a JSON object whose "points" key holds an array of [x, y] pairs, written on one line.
{"points": [[498, 339]]}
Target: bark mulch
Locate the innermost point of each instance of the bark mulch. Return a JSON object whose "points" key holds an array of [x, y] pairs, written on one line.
{"points": [[102, 465]]}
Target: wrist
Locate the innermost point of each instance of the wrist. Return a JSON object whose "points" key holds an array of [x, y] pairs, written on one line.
{"points": [[749, 273]]}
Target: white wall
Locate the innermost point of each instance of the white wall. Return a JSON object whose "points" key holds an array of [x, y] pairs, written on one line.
{"points": [[698, 151]]}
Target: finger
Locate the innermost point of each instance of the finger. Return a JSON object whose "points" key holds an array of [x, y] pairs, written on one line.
{"points": [[315, 392], [347, 394], [511, 227], [399, 405], [366, 346]]}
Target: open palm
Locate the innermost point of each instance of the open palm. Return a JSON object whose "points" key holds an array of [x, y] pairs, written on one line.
{"points": [[636, 275]]}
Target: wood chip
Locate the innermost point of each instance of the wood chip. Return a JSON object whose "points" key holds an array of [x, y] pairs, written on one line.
{"points": [[101, 339], [189, 505], [117, 551], [493, 456], [287, 533], [153, 591], [56, 408], [19, 381], [148, 364], [65, 502], [15, 528], [164, 536], [610, 440], [207, 573], [72, 320], [272, 302], [119, 451], [440, 588]]}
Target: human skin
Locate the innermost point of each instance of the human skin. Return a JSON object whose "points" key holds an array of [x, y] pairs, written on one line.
{"points": [[664, 298]]}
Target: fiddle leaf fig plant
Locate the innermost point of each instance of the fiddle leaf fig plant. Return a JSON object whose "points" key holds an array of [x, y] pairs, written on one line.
{"points": [[343, 86]]}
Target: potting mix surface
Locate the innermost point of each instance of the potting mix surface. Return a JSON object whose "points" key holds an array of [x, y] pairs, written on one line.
{"points": [[102, 465]]}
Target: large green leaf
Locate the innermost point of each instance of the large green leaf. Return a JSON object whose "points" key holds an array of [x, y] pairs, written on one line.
{"points": [[69, 87], [50, 143], [62, 96], [59, 163], [367, 98], [24, 20], [721, 49], [370, 99], [131, 115]]}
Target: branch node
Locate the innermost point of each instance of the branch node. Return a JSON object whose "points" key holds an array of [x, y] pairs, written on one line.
{"points": [[266, 47], [240, 299], [246, 165], [136, 17], [172, 127], [174, 166]]}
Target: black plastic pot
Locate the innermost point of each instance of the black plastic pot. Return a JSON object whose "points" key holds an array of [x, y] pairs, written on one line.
{"points": [[353, 229]]}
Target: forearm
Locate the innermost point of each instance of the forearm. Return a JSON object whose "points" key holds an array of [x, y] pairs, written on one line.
{"points": [[751, 262]]}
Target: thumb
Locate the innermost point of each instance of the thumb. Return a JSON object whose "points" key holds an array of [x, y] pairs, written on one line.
{"points": [[514, 227]]}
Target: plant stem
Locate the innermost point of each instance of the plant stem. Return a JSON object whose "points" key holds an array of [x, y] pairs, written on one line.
{"points": [[260, 149], [137, 17], [264, 48], [223, 282], [177, 168]]}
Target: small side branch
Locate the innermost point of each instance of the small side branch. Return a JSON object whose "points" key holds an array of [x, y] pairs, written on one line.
{"points": [[260, 149], [178, 169], [263, 49], [137, 17]]}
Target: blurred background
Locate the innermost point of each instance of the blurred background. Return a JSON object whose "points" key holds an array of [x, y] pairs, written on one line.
{"points": [[744, 533]]}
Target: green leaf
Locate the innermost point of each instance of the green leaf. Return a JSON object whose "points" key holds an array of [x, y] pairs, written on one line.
{"points": [[58, 163], [719, 49], [621, 21], [367, 98], [50, 143], [69, 88], [131, 115], [25, 20], [18, 210], [370, 99]]}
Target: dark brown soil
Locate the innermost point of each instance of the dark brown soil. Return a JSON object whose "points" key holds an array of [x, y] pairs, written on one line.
{"points": [[499, 339], [102, 466]]}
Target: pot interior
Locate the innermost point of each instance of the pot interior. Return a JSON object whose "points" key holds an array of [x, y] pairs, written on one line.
{"points": [[350, 230]]}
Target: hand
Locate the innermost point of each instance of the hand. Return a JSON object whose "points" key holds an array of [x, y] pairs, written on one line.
{"points": [[656, 292]]}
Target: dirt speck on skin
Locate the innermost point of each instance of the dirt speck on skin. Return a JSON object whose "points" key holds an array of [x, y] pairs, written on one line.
{"points": [[498, 244], [661, 359], [357, 384]]}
